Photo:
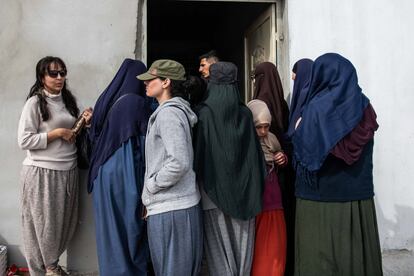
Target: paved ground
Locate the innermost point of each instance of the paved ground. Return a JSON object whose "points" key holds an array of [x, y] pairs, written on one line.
{"points": [[395, 263], [398, 263]]}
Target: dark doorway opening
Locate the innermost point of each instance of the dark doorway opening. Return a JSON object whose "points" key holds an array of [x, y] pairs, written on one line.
{"points": [[184, 30]]}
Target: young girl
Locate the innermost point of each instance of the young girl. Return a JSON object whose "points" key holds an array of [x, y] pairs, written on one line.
{"points": [[270, 245]]}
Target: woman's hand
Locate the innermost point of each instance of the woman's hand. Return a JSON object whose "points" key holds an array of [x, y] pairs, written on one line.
{"points": [[280, 158], [87, 115], [63, 133], [68, 135]]}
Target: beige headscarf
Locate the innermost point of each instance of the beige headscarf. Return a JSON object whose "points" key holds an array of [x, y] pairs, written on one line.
{"points": [[261, 115]]}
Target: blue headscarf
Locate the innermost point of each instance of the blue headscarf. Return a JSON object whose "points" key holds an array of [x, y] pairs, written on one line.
{"points": [[121, 112], [333, 108], [302, 69]]}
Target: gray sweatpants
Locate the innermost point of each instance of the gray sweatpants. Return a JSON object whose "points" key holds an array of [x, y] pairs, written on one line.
{"points": [[176, 242], [228, 244], [49, 206]]}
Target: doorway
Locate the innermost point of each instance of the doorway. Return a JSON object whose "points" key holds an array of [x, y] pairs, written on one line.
{"points": [[241, 32]]}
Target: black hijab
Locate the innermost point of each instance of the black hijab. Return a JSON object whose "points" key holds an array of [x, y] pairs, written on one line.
{"points": [[228, 158], [268, 88]]}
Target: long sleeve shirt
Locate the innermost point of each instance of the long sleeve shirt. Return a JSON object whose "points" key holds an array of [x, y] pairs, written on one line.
{"points": [[32, 135]]}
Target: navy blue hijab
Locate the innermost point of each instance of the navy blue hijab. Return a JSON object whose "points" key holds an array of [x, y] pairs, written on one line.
{"points": [[334, 106], [302, 69], [121, 112]]}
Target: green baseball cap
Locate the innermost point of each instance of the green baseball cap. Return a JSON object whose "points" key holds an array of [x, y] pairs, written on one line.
{"points": [[164, 68]]}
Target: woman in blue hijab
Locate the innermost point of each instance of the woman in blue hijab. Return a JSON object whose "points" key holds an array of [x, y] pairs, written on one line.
{"points": [[117, 170], [336, 227], [300, 74]]}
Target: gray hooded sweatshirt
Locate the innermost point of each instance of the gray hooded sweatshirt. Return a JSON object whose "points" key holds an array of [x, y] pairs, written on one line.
{"points": [[169, 177]]}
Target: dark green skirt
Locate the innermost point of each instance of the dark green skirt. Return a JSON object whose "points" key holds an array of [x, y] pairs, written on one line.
{"points": [[337, 238]]}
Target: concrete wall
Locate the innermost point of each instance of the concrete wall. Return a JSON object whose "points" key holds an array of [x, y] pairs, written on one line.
{"points": [[93, 37], [376, 36]]}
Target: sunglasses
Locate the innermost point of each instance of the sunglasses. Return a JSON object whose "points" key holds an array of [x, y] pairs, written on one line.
{"points": [[54, 73]]}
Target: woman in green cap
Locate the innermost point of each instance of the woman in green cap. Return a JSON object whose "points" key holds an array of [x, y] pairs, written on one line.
{"points": [[170, 193]]}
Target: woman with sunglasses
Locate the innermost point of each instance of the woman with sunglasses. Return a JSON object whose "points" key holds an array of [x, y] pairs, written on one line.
{"points": [[49, 176]]}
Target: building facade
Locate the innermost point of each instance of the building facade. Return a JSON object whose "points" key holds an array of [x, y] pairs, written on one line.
{"points": [[93, 37]]}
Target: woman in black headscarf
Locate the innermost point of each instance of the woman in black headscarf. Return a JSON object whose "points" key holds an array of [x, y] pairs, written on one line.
{"points": [[268, 88], [336, 227], [230, 170]]}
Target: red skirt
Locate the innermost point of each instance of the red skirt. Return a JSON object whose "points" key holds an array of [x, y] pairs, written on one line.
{"points": [[270, 246]]}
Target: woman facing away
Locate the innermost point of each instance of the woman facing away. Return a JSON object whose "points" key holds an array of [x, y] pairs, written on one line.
{"points": [[116, 175], [171, 196], [336, 226], [230, 171], [49, 178]]}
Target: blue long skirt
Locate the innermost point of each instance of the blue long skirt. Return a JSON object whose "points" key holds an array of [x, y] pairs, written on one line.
{"points": [[121, 238]]}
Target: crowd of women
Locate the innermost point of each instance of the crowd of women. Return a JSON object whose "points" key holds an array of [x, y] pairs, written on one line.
{"points": [[184, 187]]}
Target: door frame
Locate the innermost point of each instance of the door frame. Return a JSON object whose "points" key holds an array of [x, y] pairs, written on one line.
{"points": [[281, 35], [269, 13]]}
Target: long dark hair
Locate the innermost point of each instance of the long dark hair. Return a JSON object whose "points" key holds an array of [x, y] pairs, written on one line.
{"points": [[192, 89], [69, 100]]}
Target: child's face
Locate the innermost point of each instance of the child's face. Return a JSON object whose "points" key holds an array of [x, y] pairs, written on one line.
{"points": [[262, 130]]}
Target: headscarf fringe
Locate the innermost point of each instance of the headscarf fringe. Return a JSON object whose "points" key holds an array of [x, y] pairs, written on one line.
{"points": [[304, 176]]}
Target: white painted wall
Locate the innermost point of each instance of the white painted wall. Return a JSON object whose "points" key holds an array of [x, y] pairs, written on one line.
{"points": [[376, 35], [93, 37]]}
